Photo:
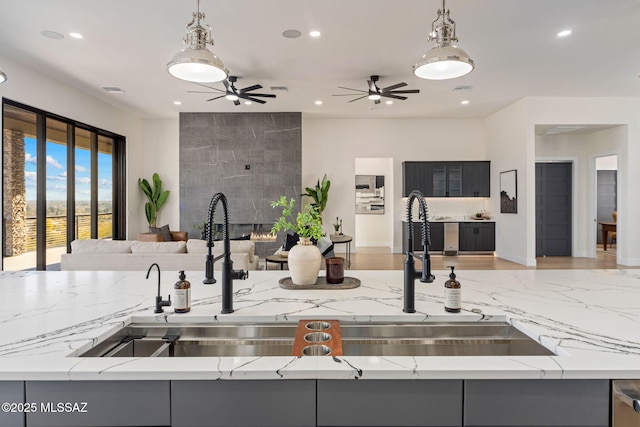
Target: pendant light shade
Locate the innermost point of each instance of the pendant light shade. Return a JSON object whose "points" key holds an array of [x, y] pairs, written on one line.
{"points": [[3, 77], [444, 61], [196, 63]]}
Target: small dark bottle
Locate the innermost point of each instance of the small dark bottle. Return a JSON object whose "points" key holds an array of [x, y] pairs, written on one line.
{"points": [[452, 294], [182, 294]]}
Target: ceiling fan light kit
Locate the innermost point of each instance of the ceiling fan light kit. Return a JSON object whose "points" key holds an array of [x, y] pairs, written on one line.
{"points": [[196, 63], [444, 61]]}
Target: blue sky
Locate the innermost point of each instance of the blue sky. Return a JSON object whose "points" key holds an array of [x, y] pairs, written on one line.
{"points": [[57, 172]]}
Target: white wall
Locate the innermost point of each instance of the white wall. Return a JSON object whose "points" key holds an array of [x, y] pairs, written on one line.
{"points": [[38, 90], [162, 155], [331, 145], [373, 229], [508, 148], [518, 123]]}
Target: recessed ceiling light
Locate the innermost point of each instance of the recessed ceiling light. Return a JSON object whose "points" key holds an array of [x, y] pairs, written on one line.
{"points": [[76, 35], [315, 33], [52, 35], [464, 102], [564, 33], [177, 102], [318, 102], [291, 34], [388, 102], [248, 102]]}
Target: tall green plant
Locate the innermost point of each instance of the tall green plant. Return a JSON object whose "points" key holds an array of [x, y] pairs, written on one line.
{"points": [[319, 194], [305, 224], [155, 195]]}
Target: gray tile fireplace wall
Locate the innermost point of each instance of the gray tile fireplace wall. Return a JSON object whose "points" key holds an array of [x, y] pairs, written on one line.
{"points": [[253, 158]]}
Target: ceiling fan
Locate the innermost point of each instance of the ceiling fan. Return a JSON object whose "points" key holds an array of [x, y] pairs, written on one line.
{"points": [[233, 94], [375, 93]]}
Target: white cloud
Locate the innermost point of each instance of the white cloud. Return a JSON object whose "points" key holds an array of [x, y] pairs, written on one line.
{"points": [[64, 174], [30, 176], [53, 162], [105, 183], [56, 178], [80, 168], [29, 159], [84, 180]]}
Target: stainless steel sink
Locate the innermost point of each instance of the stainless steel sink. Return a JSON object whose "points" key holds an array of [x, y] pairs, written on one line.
{"points": [[438, 339], [358, 339]]}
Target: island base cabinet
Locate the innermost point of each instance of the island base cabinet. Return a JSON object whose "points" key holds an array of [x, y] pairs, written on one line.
{"points": [[98, 403], [553, 403], [244, 403], [12, 392], [389, 403]]}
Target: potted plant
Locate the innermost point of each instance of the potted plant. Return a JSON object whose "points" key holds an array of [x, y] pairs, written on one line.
{"points": [[155, 195], [319, 194], [304, 259]]}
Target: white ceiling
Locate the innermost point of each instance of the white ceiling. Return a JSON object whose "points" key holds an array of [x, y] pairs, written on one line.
{"points": [[127, 44]]}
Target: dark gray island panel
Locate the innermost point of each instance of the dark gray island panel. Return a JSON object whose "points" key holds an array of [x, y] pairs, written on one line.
{"points": [[389, 403], [267, 403], [12, 392], [108, 403], [552, 403]]}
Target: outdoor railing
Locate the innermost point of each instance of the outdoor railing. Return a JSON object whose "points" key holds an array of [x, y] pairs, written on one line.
{"points": [[57, 229]]}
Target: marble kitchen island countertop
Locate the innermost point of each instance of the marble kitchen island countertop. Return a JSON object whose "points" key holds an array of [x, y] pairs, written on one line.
{"points": [[589, 318]]}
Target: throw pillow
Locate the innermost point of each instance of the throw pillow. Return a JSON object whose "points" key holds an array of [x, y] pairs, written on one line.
{"points": [[290, 241], [164, 231]]}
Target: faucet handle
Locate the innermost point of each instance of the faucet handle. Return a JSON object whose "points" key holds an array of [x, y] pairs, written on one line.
{"points": [[240, 274]]}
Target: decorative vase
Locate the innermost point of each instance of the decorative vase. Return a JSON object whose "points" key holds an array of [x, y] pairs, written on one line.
{"points": [[304, 262]]}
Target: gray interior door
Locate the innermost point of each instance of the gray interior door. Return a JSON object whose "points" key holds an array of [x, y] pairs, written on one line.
{"points": [[553, 209], [607, 201]]}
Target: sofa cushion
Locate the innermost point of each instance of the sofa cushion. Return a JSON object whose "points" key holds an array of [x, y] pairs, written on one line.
{"points": [[163, 231], [158, 247], [101, 246]]}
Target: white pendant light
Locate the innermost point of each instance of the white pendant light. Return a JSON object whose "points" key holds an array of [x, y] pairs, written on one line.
{"points": [[444, 61], [195, 63], [3, 77]]}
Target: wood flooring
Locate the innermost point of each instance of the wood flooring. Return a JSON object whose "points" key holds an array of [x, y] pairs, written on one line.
{"points": [[383, 259]]}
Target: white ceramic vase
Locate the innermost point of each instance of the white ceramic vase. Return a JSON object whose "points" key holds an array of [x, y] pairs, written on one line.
{"points": [[304, 262]]}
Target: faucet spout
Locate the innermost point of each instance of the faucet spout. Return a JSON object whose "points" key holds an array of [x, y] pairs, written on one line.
{"points": [[228, 273], [410, 273], [159, 301]]}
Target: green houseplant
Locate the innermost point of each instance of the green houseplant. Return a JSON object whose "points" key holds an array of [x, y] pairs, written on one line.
{"points": [[305, 224], [319, 194], [155, 195], [304, 259]]}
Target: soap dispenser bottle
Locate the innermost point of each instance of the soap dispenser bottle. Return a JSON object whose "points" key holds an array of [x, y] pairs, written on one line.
{"points": [[452, 293], [182, 294]]}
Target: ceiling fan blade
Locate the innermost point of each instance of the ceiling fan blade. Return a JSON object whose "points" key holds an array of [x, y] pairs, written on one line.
{"points": [[209, 87], [249, 98], [395, 86], [387, 95], [404, 91], [263, 95], [347, 94], [202, 91], [357, 90], [363, 96], [217, 97], [227, 85], [250, 88]]}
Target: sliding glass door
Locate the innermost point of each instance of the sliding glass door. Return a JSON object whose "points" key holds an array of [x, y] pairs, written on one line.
{"points": [[58, 186]]}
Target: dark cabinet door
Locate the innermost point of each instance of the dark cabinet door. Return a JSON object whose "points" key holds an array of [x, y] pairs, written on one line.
{"points": [[416, 176], [476, 179], [437, 236], [477, 236], [446, 179]]}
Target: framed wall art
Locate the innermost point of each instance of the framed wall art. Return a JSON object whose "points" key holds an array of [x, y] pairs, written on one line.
{"points": [[509, 192]]}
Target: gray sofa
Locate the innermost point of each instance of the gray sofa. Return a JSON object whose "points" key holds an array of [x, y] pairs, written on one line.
{"points": [[133, 255]]}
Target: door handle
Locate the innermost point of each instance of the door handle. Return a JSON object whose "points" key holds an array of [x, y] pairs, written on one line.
{"points": [[627, 392]]}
